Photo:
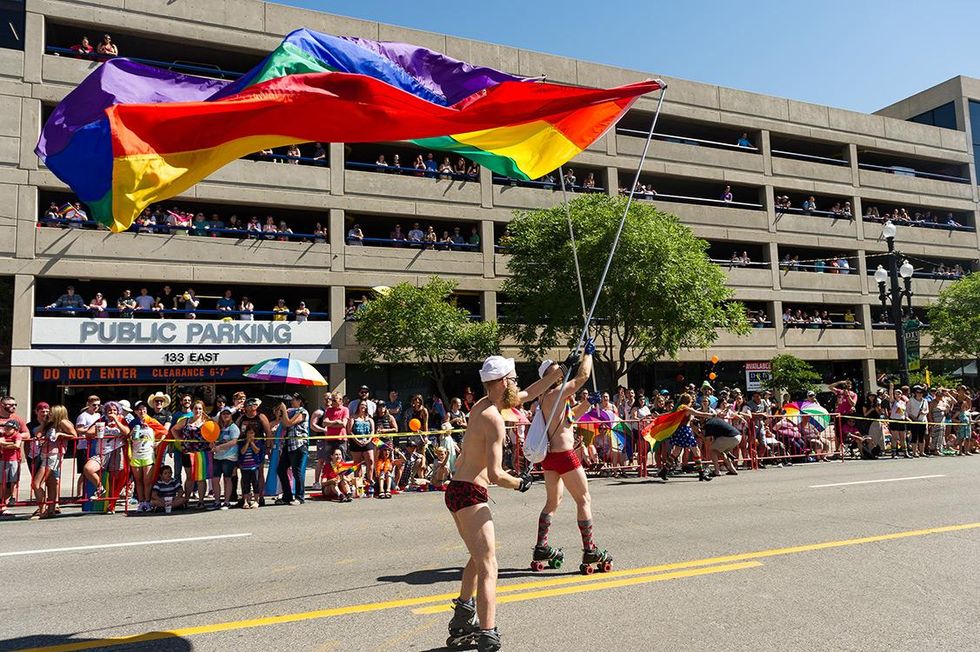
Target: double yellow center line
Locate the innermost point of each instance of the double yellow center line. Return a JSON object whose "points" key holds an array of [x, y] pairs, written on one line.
{"points": [[543, 588]]}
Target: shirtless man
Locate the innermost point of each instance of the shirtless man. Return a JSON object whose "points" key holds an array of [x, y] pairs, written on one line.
{"points": [[562, 468], [478, 465]]}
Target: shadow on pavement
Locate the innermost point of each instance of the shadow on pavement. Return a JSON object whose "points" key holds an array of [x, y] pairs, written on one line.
{"points": [[455, 574], [156, 641]]}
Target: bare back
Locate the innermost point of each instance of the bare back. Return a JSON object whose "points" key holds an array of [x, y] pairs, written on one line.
{"points": [[561, 436], [483, 444]]}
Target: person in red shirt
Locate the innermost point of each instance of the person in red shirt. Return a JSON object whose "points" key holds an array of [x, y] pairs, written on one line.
{"points": [[82, 49], [9, 461]]}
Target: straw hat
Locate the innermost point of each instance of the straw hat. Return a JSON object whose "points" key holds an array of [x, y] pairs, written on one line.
{"points": [[161, 395]]}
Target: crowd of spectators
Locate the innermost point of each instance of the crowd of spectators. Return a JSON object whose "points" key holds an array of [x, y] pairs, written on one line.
{"points": [[167, 304], [818, 319], [417, 237], [104, 50], [901, 217], [834, 265], [149, 452]]}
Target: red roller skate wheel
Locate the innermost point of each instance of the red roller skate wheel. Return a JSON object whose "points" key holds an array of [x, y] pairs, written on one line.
{"points": [[606, 567], [537, 566], [586, 569]]}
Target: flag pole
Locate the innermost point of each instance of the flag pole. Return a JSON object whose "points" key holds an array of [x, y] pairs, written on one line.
{"points": [[615, 245]]}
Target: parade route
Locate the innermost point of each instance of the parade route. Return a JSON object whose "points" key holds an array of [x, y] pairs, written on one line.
{"points": [[759, 561]]}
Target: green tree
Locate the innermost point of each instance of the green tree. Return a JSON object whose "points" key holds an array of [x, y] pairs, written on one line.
{"points": [[791, 374], [423, 326], [662, 294], [954, 320]]}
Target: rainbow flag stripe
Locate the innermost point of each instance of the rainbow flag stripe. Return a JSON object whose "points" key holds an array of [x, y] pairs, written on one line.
{"points": [[345, 467], [201, 463], [130, 135], [662, 427]]}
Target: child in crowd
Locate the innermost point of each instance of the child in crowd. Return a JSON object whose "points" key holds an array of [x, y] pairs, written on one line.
{"points": [[384, 471], [439, 477], [415, 466], [249, 458], [167, 493], [334, 479]]}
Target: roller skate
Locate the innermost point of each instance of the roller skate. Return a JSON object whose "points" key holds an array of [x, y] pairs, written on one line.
{"points": [[669, 465], [595, 560], [464, 626], [703, 476], [488, 640], [547, 557]]}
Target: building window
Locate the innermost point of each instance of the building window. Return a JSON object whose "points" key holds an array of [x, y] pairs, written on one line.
{"points": [[942, 116], [12, 13]]}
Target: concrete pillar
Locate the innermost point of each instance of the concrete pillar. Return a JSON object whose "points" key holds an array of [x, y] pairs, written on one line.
{"points": [[487, 243], [866, 322], [862, 270], [858, 211], [765, 148], [488, 305], [30, 128], [338, 160], [774, 265], [612, 181], [337, 234], [870, 373], [851, 152], [339, 330], [777, 322], [767, 197], [486, 187], [610, 137], [27, 214], [33, 47], [23, 313]]}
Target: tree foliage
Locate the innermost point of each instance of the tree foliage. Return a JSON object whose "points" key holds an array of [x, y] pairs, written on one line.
{"points": [[791, 374], [954, 320], [662, 293], [423, 326]]}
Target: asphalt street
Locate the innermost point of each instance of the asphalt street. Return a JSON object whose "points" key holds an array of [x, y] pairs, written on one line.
{"points": [[769, 560]]}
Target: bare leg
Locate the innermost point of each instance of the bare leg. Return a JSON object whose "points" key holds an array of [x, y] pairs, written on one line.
{"points": [[475, 526], [578, 489]]}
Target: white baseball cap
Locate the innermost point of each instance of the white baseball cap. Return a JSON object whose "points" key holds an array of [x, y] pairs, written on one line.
{"points": [[545, 366], [496, 367]]}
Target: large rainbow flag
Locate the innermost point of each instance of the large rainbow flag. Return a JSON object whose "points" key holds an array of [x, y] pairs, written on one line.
{"points": [[662, 427], [130, 135]]}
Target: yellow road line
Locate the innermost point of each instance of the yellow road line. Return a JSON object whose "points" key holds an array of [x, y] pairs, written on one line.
{"points": [[599, 586], [539, 584]]}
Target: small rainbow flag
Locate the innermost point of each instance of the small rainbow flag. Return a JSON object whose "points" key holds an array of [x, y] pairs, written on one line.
{"points": [[662, 428], [345, 467]]}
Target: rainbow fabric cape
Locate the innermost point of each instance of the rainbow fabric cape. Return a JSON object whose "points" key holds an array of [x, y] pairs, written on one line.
{"points": [[130, 135], [662, 427]]}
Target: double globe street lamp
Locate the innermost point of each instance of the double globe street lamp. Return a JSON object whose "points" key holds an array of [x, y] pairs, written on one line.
{"points": [[892, 299]]}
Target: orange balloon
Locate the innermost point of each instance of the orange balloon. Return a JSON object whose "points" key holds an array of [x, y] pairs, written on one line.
{"points": [[714, 359], [210, 431], [414, 425], [712, 376]]}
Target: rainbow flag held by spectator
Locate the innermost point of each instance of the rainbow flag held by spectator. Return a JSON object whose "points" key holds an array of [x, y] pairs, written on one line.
{"points": [[345, 467], [662, 427], [201, 462], [131, 135]]}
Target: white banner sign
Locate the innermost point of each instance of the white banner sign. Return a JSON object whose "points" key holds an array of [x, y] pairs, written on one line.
{"points": [[87, 342], [176, 333], [756, 373]]}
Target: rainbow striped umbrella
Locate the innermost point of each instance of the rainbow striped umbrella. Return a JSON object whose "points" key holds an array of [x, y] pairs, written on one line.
{"points": [[816, 413], [286, 370]]}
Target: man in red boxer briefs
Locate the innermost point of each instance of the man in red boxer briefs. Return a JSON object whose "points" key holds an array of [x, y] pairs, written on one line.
{"points": [[562, 468], [478, 465]]}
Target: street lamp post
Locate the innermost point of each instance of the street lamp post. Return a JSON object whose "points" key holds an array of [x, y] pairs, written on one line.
{"points": [[892, 299]]}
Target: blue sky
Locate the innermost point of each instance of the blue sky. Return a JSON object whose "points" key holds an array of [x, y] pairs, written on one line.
{"points": [[854, 54]]}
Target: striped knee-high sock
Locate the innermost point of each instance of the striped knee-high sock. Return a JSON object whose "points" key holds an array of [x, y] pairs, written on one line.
{"points": [[544, 524], [585, 528]]}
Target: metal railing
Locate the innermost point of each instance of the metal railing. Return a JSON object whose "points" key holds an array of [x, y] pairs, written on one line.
{"points": [[192, 230], [180, 66], [544, 185], [699, 200], [291, 315], [922, 224], [414, 244], [688, 140], [411, 171], [912, 172], [810, 157]]}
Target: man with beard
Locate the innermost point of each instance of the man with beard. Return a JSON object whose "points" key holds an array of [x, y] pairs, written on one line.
{"points": [[562, 468], [478, 465]]}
